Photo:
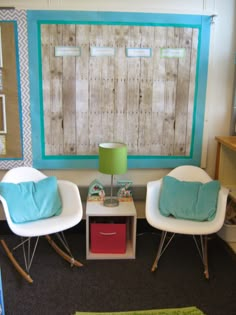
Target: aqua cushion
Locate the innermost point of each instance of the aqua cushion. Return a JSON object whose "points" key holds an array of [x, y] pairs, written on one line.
{"points": [[189, 200], [30, 201]]}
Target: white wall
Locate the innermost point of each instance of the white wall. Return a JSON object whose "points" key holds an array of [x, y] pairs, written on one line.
{"points": [[220, 75]]}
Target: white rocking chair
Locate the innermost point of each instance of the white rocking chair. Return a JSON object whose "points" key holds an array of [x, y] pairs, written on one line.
{"points": [[70, 216], [181, 226]]}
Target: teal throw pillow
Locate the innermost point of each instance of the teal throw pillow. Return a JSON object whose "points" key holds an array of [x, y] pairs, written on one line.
{"points": [[189, 200], [30, 201]]}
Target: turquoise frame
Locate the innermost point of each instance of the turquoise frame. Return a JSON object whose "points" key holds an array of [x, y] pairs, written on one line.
{"points": [[36, 18]]}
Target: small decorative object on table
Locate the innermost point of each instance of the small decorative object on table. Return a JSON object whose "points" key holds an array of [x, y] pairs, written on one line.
{"points": [[124, 190], [96, 191]]}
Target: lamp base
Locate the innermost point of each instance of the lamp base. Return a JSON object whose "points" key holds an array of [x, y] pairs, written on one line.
{"points": [[111, 202]]}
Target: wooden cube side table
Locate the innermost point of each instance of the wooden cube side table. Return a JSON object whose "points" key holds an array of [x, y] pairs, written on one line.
{"points": [[125, 212]]}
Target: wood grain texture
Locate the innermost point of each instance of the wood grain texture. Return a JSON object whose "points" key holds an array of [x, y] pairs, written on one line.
{"points": [[148, 103]]}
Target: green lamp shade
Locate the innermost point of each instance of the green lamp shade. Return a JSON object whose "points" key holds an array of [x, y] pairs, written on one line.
{"points": [[112, 158]]}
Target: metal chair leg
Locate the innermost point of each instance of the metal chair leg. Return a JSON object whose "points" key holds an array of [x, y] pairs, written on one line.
{"points": [[205, 256], [28, 254], [203, 252], [160, 249]]}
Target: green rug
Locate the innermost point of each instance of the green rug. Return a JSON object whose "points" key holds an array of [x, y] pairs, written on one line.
{"points": [[167, 311]]}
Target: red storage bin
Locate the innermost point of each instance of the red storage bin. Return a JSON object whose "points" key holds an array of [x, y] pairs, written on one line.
{"points": [[109, 238]]}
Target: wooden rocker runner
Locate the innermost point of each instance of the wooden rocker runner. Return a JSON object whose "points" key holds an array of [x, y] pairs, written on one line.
{"points": [[71, 212], [28, 260], [63, 254], [15, 263]]}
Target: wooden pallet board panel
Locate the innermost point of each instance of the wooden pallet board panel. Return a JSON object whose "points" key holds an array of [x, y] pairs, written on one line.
{"points": [[146, 102]]}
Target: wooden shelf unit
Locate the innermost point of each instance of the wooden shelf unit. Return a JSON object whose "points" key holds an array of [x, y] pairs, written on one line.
{"points": [[225, 169], [126, 209]]}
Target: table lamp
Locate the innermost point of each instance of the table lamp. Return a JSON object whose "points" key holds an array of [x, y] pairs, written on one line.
{"points": [[113, 161]]}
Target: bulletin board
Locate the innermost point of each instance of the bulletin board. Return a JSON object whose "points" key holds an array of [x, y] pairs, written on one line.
{"points": [[105, 76], [15, 134], [10, 123]]}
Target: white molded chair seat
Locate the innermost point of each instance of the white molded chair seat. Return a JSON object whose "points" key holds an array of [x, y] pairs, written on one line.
{"points": [[181, 226], [70, 216]]}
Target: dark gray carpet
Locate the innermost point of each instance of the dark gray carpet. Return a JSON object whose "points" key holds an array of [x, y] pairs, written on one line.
{"points": [[122, 285]]}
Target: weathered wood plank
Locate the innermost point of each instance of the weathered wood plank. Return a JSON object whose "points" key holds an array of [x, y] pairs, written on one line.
{"points": [[191, 96], [146, 93], [108, 99], [69, 92], [182, 93], [82, 89], [46, 78], [94, 107], [158, 97], [56, 83], [133, 86], [171, 73], [120, 83]]}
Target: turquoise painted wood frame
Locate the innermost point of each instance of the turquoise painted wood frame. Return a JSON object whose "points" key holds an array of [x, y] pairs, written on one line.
{"points": [[35, 18]]}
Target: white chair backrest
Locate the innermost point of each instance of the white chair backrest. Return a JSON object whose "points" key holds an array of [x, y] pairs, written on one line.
{"points": [[23, 174], [190, 173]]}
